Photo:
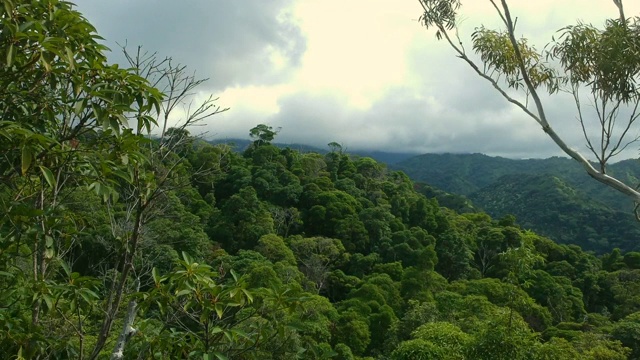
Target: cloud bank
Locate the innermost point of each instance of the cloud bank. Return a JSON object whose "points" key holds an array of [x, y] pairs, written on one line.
{"points": [[363, 73]]}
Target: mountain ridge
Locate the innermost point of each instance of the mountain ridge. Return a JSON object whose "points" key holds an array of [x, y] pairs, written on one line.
{"points": [[553, 196]]}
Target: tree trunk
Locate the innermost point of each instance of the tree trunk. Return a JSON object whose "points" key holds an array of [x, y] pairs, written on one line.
{"points": [[113, 303], [127, 328]]}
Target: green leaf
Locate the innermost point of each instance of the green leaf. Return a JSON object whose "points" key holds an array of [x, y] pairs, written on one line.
{"points": [[72, 62], [48, 176], [122, 120], [183, 292], [241, 333], [219, 310], [79, 106], [114, 124], [123, 175], [248, 295], [44, 62], [48, 300], [97, 187], [48, 241], [233, 292], [91, 293], [65, 267], [154, 274], [8, 7], [187, 258], [220, 356], [11, 53], [88, 295], [27, 157]]}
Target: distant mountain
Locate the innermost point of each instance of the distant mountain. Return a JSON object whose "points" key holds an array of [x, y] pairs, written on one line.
{"points": [[465, 174], [554, 196], [380, 156], [553, 208]]}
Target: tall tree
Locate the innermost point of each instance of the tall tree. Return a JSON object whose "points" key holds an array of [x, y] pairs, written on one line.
{"points": [[65, 117], [64, 114]]}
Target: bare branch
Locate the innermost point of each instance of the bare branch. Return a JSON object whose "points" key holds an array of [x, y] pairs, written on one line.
{"points": [[581, 120], [620, 10]]}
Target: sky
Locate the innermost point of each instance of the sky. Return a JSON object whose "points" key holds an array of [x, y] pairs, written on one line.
{"points": [[362, 73]]}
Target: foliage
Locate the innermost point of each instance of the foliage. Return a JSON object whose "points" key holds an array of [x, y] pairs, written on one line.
{"points": [[561, 202], [291, 255]]}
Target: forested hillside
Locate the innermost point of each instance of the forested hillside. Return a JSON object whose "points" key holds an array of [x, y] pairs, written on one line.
{"points": [[553, 208], [331, 256], [123, 236], [550, 196]]}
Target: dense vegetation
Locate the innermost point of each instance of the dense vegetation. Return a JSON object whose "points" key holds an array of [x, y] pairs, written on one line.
{"points": [[118, 243], [551, 196]]}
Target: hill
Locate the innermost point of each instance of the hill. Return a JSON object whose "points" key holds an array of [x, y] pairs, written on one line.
{"points": [[553, 208], [552, 196]]}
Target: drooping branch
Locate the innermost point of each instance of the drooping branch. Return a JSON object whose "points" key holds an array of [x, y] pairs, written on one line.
{"points": [[574, 154], [441, 14]]}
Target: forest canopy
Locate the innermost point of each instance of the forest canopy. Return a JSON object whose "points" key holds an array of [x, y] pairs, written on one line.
{"points": [[125, 236]]}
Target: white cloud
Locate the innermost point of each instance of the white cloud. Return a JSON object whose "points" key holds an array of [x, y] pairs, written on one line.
{"points": [[361, 72], [356, 48]]}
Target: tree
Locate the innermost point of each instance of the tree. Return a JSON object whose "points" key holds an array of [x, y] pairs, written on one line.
{"points": [[189, 301], [243, 221], [627, 331], [448, 337], [418, 349], [453, 256], [496, 341], [64, 114], [353, 331], [489, 244], [317, 256], [600, 61], [274, 248], [263, 134]]}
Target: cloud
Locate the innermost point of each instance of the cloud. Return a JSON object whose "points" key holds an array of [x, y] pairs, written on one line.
{"points": [[363, 73], [405, 121], [235, 43]]}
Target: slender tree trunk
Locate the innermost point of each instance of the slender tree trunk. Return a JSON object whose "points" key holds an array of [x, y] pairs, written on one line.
{"points": [[127, 327], [113, 303]]}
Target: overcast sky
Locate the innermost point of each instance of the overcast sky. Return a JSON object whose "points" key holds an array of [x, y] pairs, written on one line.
{"points": [[363, 73]]}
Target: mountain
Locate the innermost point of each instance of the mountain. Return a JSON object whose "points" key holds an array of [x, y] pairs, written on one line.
{"points": [[553, 208], [554, 196]]}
